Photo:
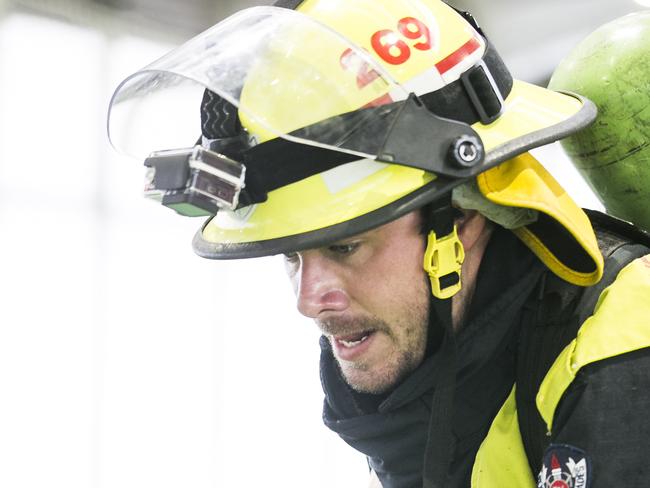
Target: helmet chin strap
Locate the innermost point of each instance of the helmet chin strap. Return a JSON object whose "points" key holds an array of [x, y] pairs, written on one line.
{"points": [[443, 258]]}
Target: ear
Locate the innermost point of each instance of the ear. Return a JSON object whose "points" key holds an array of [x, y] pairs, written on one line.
{"points": [[473, 230]]}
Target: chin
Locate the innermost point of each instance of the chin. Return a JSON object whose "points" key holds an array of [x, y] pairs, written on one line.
{"points": [[368, 382]]}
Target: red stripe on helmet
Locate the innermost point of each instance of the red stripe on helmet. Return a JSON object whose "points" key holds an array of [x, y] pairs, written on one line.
{"points": [[442, 66], [457, 56]]}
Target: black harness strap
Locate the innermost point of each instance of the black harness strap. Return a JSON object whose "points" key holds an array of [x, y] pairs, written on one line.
{"points": [[553, 317], [548, 326], [441, 442]]}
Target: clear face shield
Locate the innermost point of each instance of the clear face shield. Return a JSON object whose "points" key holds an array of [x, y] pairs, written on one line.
{"points": [[285, 78]]}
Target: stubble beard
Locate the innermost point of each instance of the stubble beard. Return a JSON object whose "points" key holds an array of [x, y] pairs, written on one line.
{"points": [[407, 341]]}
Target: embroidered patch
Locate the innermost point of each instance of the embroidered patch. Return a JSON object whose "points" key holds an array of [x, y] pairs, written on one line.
{"points": [[564, 467]]}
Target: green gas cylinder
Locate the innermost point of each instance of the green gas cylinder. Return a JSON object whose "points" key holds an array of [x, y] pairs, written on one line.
{"points": [[611, 67]]}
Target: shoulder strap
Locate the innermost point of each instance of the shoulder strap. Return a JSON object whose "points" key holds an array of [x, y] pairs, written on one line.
{"points": [[551, 320]]}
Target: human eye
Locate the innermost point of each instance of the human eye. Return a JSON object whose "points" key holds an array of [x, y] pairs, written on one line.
{"points": [[343, 248]]}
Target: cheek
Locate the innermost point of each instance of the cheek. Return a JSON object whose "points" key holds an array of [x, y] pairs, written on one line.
{"points": [[402, 298], [405, 273], [405, 291]]}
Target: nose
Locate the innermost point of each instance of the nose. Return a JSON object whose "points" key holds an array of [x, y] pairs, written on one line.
{"points": [[319, 286]]}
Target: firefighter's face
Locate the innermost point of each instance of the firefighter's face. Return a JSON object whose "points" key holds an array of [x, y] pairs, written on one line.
{"points": [[369, 296]]}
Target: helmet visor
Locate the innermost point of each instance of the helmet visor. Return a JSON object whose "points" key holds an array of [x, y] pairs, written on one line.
{"points": [[289, 75]]}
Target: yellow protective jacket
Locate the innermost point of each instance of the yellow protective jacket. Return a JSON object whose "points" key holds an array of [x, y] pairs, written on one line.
{"points": [[616, 327], [558, 344]]}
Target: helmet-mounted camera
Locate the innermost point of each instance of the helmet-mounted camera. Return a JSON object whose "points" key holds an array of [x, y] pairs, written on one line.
{"points": [[194, 181]]}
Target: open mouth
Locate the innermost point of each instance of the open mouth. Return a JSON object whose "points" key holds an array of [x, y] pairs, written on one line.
{"points": [[353, 340], [350, 346]]}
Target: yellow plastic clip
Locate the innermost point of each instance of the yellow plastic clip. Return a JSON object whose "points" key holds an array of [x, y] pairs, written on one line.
{"points": [[444, 257]]}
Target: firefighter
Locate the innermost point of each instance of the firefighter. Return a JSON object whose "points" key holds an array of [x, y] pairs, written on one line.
{"points": [[382, 147]]}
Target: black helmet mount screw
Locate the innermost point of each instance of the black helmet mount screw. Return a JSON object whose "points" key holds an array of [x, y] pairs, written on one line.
{"points": [[466, 151]]}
